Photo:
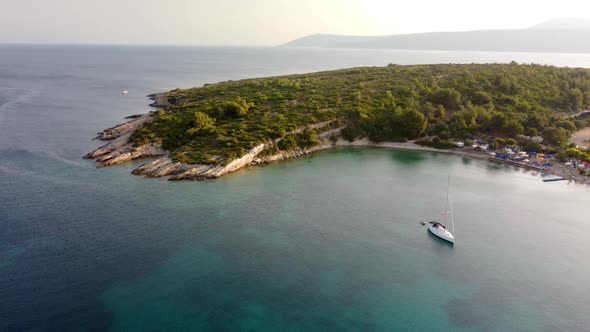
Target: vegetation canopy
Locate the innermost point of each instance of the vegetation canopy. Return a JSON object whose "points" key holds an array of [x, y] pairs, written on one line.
{"points": [[220, 122]]}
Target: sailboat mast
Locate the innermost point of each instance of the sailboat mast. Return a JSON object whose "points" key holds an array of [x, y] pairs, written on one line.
{"points": [[447, 201], [452, 217]]}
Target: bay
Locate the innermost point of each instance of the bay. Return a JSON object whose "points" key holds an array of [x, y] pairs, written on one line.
{"points": [[326, 242]]}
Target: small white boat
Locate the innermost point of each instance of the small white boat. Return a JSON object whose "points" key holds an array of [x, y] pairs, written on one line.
{"points": [[440, 229], [124, 92]]}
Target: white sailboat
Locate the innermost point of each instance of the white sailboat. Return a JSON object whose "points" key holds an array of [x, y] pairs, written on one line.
{"points": [[440, 229]]}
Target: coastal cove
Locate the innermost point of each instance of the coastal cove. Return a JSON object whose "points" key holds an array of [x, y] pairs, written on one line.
{"points": [[210, 131], [165, 167], [325, 241]]}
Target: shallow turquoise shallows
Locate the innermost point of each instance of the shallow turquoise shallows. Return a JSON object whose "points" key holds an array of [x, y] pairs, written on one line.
{"points": [[332, 242], [329, 242]]}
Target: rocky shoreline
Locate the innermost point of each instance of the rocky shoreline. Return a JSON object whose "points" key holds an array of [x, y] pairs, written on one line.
{"points": [[119, 150]]}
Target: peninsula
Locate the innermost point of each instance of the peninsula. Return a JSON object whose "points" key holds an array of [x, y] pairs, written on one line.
{"points": [[210, 131]]}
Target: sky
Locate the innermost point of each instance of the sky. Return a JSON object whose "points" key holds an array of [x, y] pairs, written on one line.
{"points": [[260, 22]]}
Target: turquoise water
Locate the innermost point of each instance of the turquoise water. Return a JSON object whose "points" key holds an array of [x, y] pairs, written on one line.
{"points": [[331, 242], [326, 242]]}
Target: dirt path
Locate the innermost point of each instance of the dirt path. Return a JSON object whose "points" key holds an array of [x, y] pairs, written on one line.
{"points": [[582, 137]]}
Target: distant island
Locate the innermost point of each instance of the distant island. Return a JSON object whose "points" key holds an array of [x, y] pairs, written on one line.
{"points": [[559, 36], [210, 131]]}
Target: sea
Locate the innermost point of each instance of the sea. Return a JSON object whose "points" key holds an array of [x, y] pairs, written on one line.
{"points": [[328, 242]]}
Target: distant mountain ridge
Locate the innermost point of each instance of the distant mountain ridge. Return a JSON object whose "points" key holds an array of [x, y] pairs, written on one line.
{"points": [[564, 24], [559, 36]]}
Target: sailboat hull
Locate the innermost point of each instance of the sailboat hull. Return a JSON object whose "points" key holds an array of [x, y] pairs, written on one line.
{"points": [[441, 233]]}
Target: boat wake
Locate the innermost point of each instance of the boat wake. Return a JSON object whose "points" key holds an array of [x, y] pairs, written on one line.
{"points": [[12, 99]]}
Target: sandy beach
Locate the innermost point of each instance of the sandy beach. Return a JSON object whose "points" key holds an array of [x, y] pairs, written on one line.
{"points": [[558, 169], [411, 145]]}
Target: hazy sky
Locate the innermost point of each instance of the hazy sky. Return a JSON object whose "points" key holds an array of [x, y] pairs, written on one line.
{"points": [[260, 22]]}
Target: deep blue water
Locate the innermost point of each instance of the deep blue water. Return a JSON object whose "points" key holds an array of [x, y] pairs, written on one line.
{"points": [[327, 242]]}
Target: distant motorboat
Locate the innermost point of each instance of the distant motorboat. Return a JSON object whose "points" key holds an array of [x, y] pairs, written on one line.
{"points": [[124, 92], [555, 179], [440, 229]]}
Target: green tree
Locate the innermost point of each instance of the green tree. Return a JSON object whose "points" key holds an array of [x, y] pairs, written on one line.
{"points": [[585, 156], [449, 98], [412, 123], [573, 152], [429, 111], [287, 143], [555, 135], [576, 98], [532, 146], [308, 138], [351, 132], [203, 121], [536, 121], [458, 126], [440, 112], [481, 98], [561, 156], [235, 109], [497, 122], [531, 132], [512, 128], [566, 124]]}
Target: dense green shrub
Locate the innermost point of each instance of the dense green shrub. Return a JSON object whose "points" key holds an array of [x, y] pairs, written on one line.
{"points": [[531, 132], [289, 142], [382, 103], [437, 144], [531, 146], [235, 109], [308, 138], [557, 136]]}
